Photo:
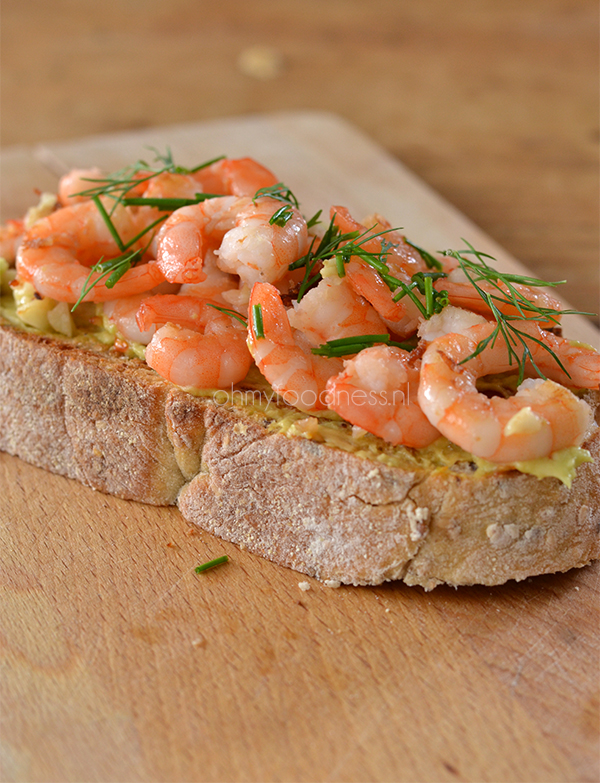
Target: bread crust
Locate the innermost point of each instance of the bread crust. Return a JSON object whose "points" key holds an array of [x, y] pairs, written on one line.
{"points": [[86, 412]]}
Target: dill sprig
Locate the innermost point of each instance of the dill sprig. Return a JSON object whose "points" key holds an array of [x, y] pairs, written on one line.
{"points": [[431, 261], [111, 270], [281, 192], [114, 268], [345, 246], [121, 182], [116, 187], [347, 346], [503, 285], [342, 247], [434, 301], [231, 313], [504, 292]]}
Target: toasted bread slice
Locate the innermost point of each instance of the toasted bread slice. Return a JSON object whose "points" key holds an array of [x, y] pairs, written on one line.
{"points": [[356, 516]]}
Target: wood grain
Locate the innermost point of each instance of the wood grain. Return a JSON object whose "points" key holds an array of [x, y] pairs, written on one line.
{"points": [[120, 663]]}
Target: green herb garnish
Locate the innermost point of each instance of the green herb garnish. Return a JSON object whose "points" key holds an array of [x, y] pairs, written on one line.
{"points": [[314, 219], [347, 346], [231, 313], [281, 216], [257, 322], [431, 261], [167, 204], [112, 270], [503, 291], [279, 192], [341, 246], [211, 564], [116, 187], [118, 184], [422, 282]]}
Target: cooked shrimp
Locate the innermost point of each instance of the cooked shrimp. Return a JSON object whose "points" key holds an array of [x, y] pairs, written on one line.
{"points": [[260, 252], [190, 232], [402, 317], [333, 310], [450, 319], [74, 183], [401, 257], [540, 419], [56, 253], [214, 284], [378, 391], [198, 346], [462, 293], [283, 355], [235, 177], [123, 314], [11, 234], [165, 185]]}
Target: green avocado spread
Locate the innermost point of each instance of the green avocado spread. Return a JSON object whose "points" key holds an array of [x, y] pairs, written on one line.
{"points": [[25, 310]]}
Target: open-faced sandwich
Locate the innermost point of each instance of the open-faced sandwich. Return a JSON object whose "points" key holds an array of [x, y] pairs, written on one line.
{"points": [[320, 391]]}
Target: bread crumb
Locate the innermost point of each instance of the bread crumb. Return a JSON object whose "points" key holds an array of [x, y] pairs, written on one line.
{"points": [[305, 428], [191, 531], [418, 518], [199, 641], [584, 515], [332, 583], [172, 545], [502, 535], [304, 586], [261, 62], [532, 534]]}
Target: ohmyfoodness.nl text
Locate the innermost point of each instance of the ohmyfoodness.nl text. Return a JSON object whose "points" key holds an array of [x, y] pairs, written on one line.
{"points": [[308, 399]]}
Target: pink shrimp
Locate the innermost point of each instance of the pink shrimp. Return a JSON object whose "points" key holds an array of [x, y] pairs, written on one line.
{"points": [[198, 346], [190, 232], [260, 252], [215, 283], [283, 355], [75, 182], [58, 250], [402, 317], [166, 185], [377, 391], [235, 177], [543, 416], [332, 311], [11, 235], [122, 313], [462, 293]]}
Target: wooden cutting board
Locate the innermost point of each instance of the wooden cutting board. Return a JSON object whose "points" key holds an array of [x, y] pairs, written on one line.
{"points": [[120, 663]]}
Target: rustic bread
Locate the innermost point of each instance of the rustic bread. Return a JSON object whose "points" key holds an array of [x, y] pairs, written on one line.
{"points": [[83, 411]]}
